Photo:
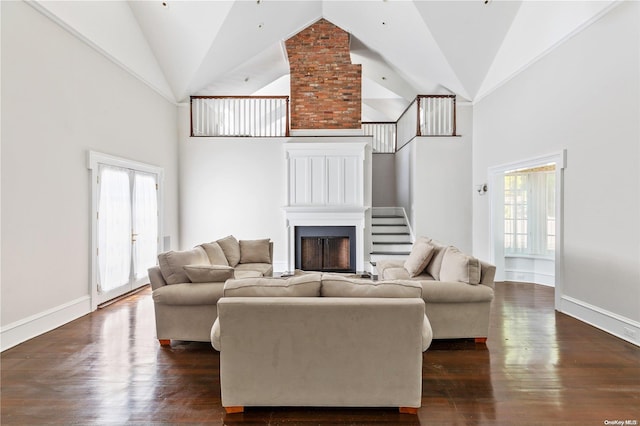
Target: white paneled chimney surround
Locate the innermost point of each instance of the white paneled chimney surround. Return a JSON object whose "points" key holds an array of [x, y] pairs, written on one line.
{"points": [[329, 184]]}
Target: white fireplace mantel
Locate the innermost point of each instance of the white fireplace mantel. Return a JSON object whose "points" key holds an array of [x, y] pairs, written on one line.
{"points": [[329, 184]]}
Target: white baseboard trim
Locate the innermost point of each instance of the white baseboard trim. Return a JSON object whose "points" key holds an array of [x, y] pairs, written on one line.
{"points": [[529, 277], [612, 323], [22, 330]]}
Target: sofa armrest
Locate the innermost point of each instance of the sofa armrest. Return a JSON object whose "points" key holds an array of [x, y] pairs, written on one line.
{"points": [[155, 278]]}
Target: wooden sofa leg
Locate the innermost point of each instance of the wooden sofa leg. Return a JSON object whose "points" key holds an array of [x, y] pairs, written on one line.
{"points": [[481, 340], [233, 410], [165, 342], [408, 410]]}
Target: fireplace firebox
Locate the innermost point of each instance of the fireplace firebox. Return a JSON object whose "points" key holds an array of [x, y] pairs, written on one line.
{"points": [[325, 248]]}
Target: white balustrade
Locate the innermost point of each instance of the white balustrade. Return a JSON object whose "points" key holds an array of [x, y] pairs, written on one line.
{"points": [[384, 136], [240, 116]]}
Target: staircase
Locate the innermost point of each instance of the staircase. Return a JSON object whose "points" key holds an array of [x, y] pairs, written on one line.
{"points": [[390, 235]]}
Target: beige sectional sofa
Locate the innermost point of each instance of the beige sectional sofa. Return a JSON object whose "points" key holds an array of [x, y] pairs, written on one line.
{"points": [[321, 340], [188, 284], [457, 288]]}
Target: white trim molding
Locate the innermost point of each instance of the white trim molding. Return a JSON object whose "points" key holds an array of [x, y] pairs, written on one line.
{"points": [[27, 328], [612, 323], [546, 52], [168, 96]]}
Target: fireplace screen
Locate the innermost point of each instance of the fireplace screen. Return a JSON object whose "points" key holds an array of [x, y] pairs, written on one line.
{"points": [[325, 248], [325, 254]]}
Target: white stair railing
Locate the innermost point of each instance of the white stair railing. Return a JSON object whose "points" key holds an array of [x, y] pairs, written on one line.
{"points": [[437, 115], [384, 136]]}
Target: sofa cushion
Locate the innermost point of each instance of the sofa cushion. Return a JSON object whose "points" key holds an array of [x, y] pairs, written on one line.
{"points": [[392, 269], [297, 286], [239, 274], [255, 251], [458, 266], [189, 294], [215, 253], [262, 269], [171, 264], [208, 273], [231, 248], [340, 286], [433, 267], [421, 254]]}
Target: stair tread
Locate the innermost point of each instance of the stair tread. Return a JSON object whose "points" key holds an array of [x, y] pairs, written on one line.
{"points": [[403, 253], [386, 216], [406, 243], [388, 224]]}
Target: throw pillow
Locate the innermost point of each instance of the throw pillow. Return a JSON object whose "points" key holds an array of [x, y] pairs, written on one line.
{"points": [[208, 273], [231, 249], [215, 253], [433, 267], [255, 251], [460, 267], [421, 254], [297, 286], [171, 264], [340, 286]]}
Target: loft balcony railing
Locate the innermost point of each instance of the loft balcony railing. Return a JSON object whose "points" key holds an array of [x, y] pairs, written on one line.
{"points": [[244, 116], [427, 115], [268, 116]]}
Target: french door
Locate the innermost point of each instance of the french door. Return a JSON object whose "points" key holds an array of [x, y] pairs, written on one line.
{"points": [[126, 227]]}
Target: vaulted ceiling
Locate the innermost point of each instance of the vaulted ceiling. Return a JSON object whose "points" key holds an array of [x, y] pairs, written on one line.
{"points": [[467, 48]]}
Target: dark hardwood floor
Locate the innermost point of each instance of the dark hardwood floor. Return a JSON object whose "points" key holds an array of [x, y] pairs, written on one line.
{"points": [[538, 367]]}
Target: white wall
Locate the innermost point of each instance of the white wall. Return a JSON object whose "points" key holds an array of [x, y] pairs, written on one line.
{"points": [[433, 178], [232, 186], [404, 178], [61, 98], [384, 180], [583, 96]]}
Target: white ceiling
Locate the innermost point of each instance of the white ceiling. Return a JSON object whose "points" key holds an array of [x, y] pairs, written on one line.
{"points": [[406, 48]]}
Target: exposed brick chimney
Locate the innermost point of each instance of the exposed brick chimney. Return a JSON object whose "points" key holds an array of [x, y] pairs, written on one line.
{"points": [[325, 86]]}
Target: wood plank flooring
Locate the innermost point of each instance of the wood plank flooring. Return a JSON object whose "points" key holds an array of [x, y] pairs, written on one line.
{"points": [[538, 367]]}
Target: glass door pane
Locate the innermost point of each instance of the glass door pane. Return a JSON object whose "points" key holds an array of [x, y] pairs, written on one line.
{"points": [[145, 224], [114, 229]]}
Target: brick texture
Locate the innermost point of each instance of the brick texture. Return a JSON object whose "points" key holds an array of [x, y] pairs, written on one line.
{"points": [[326, 88]]}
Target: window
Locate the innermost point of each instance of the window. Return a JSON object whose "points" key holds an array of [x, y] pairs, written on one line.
{"points": [[529, 212]]}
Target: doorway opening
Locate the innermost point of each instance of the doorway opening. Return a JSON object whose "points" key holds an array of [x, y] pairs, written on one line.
{"points": [[526, 220]]}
